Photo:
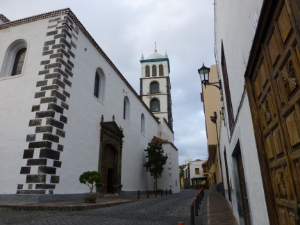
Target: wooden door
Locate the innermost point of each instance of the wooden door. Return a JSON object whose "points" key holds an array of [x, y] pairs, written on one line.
{"points": [[243, 189], [274, 95]]}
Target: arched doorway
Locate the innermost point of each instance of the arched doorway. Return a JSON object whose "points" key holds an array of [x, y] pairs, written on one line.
{"points": [[110, 157]]}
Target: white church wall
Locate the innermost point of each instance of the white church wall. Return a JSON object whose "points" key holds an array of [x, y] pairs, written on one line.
{"points": [[16, 100], [170, 175], [229, 17]]}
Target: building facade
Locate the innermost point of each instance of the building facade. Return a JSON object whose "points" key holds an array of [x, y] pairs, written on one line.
{"points": [[212, 101], [67, 109], [257, 51]]}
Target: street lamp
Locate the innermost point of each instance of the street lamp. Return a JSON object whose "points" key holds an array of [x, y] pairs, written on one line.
{"points": [[204, 76]]}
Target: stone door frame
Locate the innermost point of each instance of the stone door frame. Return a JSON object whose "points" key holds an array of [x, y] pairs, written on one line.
{"points": [[111, 134]]}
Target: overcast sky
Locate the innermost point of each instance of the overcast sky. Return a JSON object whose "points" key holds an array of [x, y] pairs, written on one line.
{"points": [[125, 29]]}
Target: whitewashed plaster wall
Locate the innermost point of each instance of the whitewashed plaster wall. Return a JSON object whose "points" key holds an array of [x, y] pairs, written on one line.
{"points": [[193, 166], [16, 100], [234, 27], [170, 175]]}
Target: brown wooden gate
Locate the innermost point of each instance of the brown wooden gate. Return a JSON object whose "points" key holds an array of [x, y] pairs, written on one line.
{"points": [[273, 78]]}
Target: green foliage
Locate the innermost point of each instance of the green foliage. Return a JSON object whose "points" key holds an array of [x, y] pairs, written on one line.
{"points": [[90, 178], [155, 160]]}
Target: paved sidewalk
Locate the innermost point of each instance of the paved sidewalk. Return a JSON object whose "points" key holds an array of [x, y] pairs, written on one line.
{"points": [[67, 205], [219, 211]]}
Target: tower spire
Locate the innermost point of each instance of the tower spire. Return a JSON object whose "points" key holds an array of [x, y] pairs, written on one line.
{"points": [[155, 50]]}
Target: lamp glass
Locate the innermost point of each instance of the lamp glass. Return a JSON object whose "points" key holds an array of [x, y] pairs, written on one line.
{"points": [[204, 74]]}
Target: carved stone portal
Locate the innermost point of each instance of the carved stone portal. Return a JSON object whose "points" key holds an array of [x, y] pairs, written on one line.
{"points": [[110, 157]]}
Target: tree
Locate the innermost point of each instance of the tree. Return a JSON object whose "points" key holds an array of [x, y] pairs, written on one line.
{"points": [[155, 160]]}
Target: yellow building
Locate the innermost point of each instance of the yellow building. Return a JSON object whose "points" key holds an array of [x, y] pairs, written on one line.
{"points": [[211, 98]]}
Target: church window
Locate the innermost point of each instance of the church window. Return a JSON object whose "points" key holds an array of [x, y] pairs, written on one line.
{"points": [[154, 87], [147, 71], [14, 59], [154, 74], [154, 105], [99, 84], [142, 124], [161, 70], [126, 109], [19, 62]]}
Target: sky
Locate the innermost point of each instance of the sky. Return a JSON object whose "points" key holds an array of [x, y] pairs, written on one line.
{"points": [[126, 29]]}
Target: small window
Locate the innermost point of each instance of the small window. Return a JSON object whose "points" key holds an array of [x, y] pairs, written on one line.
{"points": [[154, 73], [161, 70], [19, 62], [147, 71], [99, 84], [154, 87], [197, 171], [14, 59], [126, 109], [154, 105], [142, 124]]}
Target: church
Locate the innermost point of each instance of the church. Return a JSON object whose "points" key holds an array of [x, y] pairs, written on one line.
{"points": [[66, 109]]}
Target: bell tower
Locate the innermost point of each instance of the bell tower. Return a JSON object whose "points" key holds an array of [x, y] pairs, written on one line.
{"points": [[155, 86]]}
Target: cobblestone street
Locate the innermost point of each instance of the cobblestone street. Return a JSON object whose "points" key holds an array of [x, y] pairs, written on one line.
{"points": [[161, 210]]}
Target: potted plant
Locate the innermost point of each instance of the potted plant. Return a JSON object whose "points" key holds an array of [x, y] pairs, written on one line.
{"points": [[90, 178]]}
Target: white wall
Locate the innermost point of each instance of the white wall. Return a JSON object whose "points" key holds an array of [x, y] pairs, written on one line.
{"points": [[16, 101], [234, 27]]}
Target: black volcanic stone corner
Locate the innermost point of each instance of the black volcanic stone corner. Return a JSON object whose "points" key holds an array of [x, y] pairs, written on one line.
{"points": [[63, 119], [41, 83], [64, 105], [43, 114], [60, 147], [47, 170], [28, 153], [50, 87], [40, 192], [56, 164], [40, 94], [60, 133], [49, 153], [36, 162], [50, 137], [35, 108], [56, 108], [54, 179], [35, 122], [30, 137], [25, 170], [57, 94], [59, 83], [53, 122], [45, 186], [36, 178], [40, 144], [44, 129]]}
